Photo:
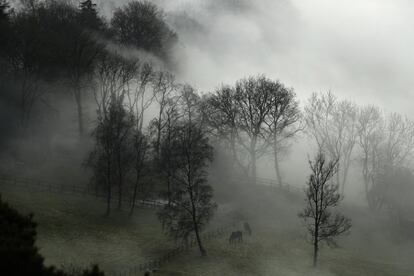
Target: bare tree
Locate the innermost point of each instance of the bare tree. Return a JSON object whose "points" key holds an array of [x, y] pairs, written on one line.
{"points": [[140, 154], [399, 141], [333, 125], [164, 87], [220, 111], [394, 151], [139, 100], [253, 98], [191, 202], [114, 122], [370, 135], [321, 197], [283, 122], [166, 161]]}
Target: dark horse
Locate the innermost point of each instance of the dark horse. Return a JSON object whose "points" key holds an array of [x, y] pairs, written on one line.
{"points": [[236, 236], [247, 228]]}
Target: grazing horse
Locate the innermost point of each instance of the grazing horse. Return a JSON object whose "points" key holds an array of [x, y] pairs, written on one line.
{"points": [[236, 236], [247, 228]]}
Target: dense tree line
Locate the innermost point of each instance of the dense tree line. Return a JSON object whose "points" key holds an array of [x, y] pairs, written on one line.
{"points": [[53, 47], [379, 142], [51, 43], [252, 118]]}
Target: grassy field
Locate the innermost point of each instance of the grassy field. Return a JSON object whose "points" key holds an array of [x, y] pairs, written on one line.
{"points": [[72, 230]]}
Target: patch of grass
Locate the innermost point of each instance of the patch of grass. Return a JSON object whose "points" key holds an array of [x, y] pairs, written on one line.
{"points": [[73, 230]]}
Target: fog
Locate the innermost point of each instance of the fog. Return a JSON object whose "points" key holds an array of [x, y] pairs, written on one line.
{"points": [[359, 50]]}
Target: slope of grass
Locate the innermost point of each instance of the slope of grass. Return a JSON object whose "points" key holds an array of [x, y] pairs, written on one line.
{"points": [[73, 230]]}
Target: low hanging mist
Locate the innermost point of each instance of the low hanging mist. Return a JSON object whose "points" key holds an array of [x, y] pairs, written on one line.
{"points": [[206, 137]]}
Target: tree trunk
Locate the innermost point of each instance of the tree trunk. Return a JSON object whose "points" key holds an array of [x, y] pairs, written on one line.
{"points": [[315, 242], [109, 192], [315, 252], [200, 246], [253, 160], [196, 230], [134, 196], [78, 99], [277, 169], [169, 189], [120, 180]]}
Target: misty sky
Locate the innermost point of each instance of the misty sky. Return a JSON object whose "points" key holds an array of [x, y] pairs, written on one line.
{"points": [[359, 49]]}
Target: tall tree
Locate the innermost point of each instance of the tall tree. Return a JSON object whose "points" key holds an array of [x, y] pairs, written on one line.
{"points": [[321, 197], [164, 87], [114, 122], [191, 202], [220, 111], [370, 136], [140, 154], [166, 160], [283, 122], [253, 97], [333, 125]]}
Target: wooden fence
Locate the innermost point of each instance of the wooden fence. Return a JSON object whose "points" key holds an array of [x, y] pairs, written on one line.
{"points": [[56, 187], [155, 263]]}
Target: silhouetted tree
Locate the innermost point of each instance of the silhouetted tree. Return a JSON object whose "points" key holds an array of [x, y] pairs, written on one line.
{"points": [[220, 111], [333, 125], [141, 24], [321, 197], [191, 204], [140, 154], [370, 136], [164, 86], [283, 122], [253, 98], [166, 162], [114, 122]]}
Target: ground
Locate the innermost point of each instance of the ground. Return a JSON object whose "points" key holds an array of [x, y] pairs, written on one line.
{"points": [[73, 231]]}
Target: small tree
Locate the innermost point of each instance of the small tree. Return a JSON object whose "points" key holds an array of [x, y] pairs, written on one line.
{"points": [[321, 197], [191, 201]]}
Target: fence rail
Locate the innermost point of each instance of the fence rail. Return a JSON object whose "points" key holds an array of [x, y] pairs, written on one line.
{"points": [[56, 187], [270, 183], [155, 263]]}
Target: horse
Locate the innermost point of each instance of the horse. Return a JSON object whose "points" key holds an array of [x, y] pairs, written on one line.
{"points": [[236, 236], [247, 228]]}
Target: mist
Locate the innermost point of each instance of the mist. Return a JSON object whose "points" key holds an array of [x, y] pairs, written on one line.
{"points": [[203, 137]]}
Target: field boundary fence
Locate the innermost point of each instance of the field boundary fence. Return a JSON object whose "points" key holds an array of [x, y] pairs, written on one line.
{"points": [[155, 263], [56, 187]]}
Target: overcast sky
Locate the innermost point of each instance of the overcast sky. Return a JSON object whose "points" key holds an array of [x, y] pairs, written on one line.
{"points": [[359, 49]]}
